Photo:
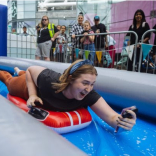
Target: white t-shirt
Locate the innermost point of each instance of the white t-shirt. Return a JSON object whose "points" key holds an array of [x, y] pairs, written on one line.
{"points": [[110, 40]]}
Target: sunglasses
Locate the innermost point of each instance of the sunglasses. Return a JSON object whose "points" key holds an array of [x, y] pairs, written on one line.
{"points": [[44, 19]]}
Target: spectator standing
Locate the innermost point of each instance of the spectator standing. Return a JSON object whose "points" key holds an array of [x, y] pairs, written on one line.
{"points": [[47, 34], [88, 41], [140, 26], [24, 31], [13, 31], [58, 27], [53, 50], [77, 29], [99, 28], [61, 44]]}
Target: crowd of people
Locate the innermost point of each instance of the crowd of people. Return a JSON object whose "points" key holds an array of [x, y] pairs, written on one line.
{"points": [[90, 38], [74, 88], [52, 41]]}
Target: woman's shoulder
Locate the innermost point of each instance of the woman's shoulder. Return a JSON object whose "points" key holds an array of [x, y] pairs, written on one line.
{"points": [[131, 27], [146, 24], [48, 75]]}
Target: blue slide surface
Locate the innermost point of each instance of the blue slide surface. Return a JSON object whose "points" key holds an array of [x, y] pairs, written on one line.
{"points": [[99, 139]]}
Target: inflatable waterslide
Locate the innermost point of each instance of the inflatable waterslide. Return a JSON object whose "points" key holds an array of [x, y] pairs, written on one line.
{"points": [[23, 135], [120, 89]]}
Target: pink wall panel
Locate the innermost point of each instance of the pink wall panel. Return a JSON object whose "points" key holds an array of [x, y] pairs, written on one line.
{"points": [[122, 16]]}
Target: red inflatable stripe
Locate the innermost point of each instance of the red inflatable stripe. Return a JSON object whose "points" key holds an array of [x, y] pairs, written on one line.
{"points": [[62, 122]]}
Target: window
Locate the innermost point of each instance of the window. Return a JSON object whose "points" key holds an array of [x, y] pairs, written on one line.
{"points": [[20, 8], [29, 2], [29, 14], [20, 15], [20, 2], [29, 7]]}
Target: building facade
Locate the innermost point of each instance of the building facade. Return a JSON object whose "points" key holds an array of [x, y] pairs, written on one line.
{"points": [[29, 14]]}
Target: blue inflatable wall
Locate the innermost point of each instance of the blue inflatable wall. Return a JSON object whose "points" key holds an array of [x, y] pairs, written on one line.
{"points": [[3, 30]]}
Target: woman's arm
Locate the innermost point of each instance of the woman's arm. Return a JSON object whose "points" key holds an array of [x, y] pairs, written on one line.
{"points": [[73, 32], [91, 38], [106, 113], [146, 40], [147, 37], [83, 38], [32, 74], [54, 37]]}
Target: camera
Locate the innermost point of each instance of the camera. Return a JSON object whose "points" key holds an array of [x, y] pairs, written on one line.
{"points": [[128, 115], [37, 26], [125, 114]]}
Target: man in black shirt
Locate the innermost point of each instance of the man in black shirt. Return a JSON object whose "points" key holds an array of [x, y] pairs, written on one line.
{"points": [[99, 28], [24, 31]]}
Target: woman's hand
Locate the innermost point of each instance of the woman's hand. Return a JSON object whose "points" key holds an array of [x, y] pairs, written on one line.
{"points": [[138, 45], [85, 34], [127, 123], [32, 99], [97, 31]]}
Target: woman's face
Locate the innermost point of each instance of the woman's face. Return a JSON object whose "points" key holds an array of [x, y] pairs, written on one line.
{"points": [[82, 86], [45, 21], [138, 17], [80, 19]]}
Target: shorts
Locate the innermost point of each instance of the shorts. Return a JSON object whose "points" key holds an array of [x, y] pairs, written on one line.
{"points": [[43, 49]]}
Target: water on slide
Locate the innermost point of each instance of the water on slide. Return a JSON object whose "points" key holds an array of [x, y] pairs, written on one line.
{"points": [[99, 139]]}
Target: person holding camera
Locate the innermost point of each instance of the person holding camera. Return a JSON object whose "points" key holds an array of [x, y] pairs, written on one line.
{"points": [[47, 33]]}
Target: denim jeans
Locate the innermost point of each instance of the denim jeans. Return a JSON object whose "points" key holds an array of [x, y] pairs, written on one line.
{"points": [[90, 47]]}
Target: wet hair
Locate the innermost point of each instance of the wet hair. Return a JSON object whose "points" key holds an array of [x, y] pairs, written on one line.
{"points": [[143, 17], [65, 78], [42, 26]]}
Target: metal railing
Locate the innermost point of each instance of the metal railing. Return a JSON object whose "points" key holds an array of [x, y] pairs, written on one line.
{"points": [[153, 70], [62, 50], [21, 46], [103, 49], [25, 47]]}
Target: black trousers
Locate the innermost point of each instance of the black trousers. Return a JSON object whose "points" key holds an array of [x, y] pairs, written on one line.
{"points": [[130, 63]]}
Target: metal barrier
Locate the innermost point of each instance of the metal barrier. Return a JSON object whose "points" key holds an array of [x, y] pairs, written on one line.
{"points": [[99, 48], [61, 52], [25, 47], [21, 46], [150, 67]]}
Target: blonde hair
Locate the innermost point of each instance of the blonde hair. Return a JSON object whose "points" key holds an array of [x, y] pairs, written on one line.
{"points": [[65, 79], [87, 22], [42, 23]]}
